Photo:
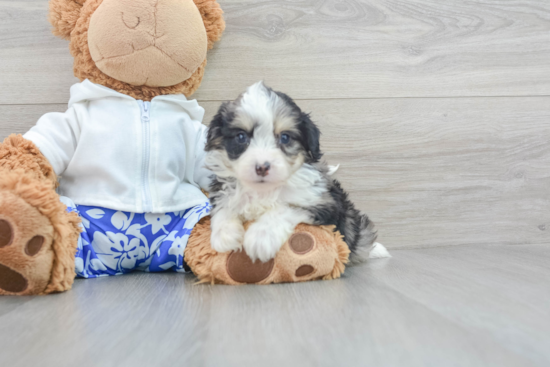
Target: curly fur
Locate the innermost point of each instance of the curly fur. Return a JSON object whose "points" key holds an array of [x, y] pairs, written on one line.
{"points": [[63, 16], [18, 153], [66, 23], [27, 174], [343, 254], [198, 253], [41, 196], [296, 187], [212, 15]]}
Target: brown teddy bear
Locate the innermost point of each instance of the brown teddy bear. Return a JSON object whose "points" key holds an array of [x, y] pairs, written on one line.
{"points": [[130, 145]]}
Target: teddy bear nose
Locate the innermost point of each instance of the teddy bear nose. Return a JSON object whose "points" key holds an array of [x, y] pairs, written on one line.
{"points": [[262, 170]]}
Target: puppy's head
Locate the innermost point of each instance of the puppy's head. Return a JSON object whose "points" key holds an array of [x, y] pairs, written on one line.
{"points": [[261, 138]]}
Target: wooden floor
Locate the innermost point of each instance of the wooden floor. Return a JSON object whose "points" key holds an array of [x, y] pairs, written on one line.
{"points": [[461, 306], [439, 114]]}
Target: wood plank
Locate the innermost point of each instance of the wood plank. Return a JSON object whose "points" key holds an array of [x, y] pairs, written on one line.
{"points": [[429, 172], [452, 306], [18, 119], [35, 66], [324, 49]]}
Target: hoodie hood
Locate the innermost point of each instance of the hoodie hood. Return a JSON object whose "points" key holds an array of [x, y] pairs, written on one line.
{"points": [[88, 91]]}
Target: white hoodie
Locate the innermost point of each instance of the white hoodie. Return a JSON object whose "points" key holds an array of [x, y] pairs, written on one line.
{"points": [[116, 152]]}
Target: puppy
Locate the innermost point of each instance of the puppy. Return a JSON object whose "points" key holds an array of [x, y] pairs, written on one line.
{"points": [[265, 155]]}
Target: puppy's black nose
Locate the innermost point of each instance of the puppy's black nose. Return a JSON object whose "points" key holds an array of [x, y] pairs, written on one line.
{"points": [[263, 170]]}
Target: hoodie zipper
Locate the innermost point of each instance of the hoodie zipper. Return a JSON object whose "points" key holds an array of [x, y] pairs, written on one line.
{"points": [[146, 151]]}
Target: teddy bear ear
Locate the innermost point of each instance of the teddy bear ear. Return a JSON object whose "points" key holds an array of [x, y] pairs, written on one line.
{"points": [[212, 16], [63, 16]]}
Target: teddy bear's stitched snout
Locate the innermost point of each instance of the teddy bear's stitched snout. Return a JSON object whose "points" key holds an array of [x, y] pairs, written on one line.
{"points": [[148, 42]]}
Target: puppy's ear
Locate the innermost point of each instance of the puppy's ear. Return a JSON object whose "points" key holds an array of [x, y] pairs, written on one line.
{"points": [[63, 16], [214, 138], [311, 134]]}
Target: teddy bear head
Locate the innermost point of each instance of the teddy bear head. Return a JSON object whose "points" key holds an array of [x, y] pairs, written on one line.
{"points": [[142, 48]]}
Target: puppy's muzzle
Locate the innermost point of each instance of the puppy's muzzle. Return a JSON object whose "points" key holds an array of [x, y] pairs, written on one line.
{"points": [[263, 170]]}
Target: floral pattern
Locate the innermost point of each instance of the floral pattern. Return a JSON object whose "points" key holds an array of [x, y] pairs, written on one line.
{"points": [[115, 242]]}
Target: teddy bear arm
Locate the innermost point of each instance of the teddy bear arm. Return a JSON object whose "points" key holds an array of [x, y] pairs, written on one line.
{"points": [[18, 153]]}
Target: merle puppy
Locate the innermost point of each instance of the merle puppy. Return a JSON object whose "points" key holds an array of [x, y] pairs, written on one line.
{"points": [[265, 154]]}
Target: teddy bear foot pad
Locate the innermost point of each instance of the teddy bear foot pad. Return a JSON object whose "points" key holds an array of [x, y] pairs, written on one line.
{"points": [[10, 280], [25, 252], [241, 269]]}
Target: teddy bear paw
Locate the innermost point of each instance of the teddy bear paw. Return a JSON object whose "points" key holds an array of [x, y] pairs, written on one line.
{"points": [[242, 269], [301, 243], [26, 258], [298, 260]]}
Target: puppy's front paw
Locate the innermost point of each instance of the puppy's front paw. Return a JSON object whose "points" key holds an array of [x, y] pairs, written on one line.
{"points": [[263, 242], [227, 237]]}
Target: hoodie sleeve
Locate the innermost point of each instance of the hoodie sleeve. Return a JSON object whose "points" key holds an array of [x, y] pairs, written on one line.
{"points": [[56, 135], [202, 175]]}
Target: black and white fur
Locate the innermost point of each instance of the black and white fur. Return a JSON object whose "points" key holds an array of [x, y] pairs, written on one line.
{"points": [[265, 154]]}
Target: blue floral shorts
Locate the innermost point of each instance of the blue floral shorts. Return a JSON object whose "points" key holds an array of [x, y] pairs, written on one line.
{"points": [[115, 242]]}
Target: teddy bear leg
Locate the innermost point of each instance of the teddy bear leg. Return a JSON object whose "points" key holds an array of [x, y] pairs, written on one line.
{"points": [[311, 253], [38, 237], [38, 240], [26, 254]]}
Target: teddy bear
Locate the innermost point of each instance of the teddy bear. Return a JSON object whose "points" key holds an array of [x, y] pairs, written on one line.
{"points": [[117, 183]]}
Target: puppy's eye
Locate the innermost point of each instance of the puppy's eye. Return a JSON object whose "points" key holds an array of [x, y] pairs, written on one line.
{"points": [[241, 138], [284, 139]]}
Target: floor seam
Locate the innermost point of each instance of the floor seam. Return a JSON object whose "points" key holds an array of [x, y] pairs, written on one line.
{"points": [[328, 99]]}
